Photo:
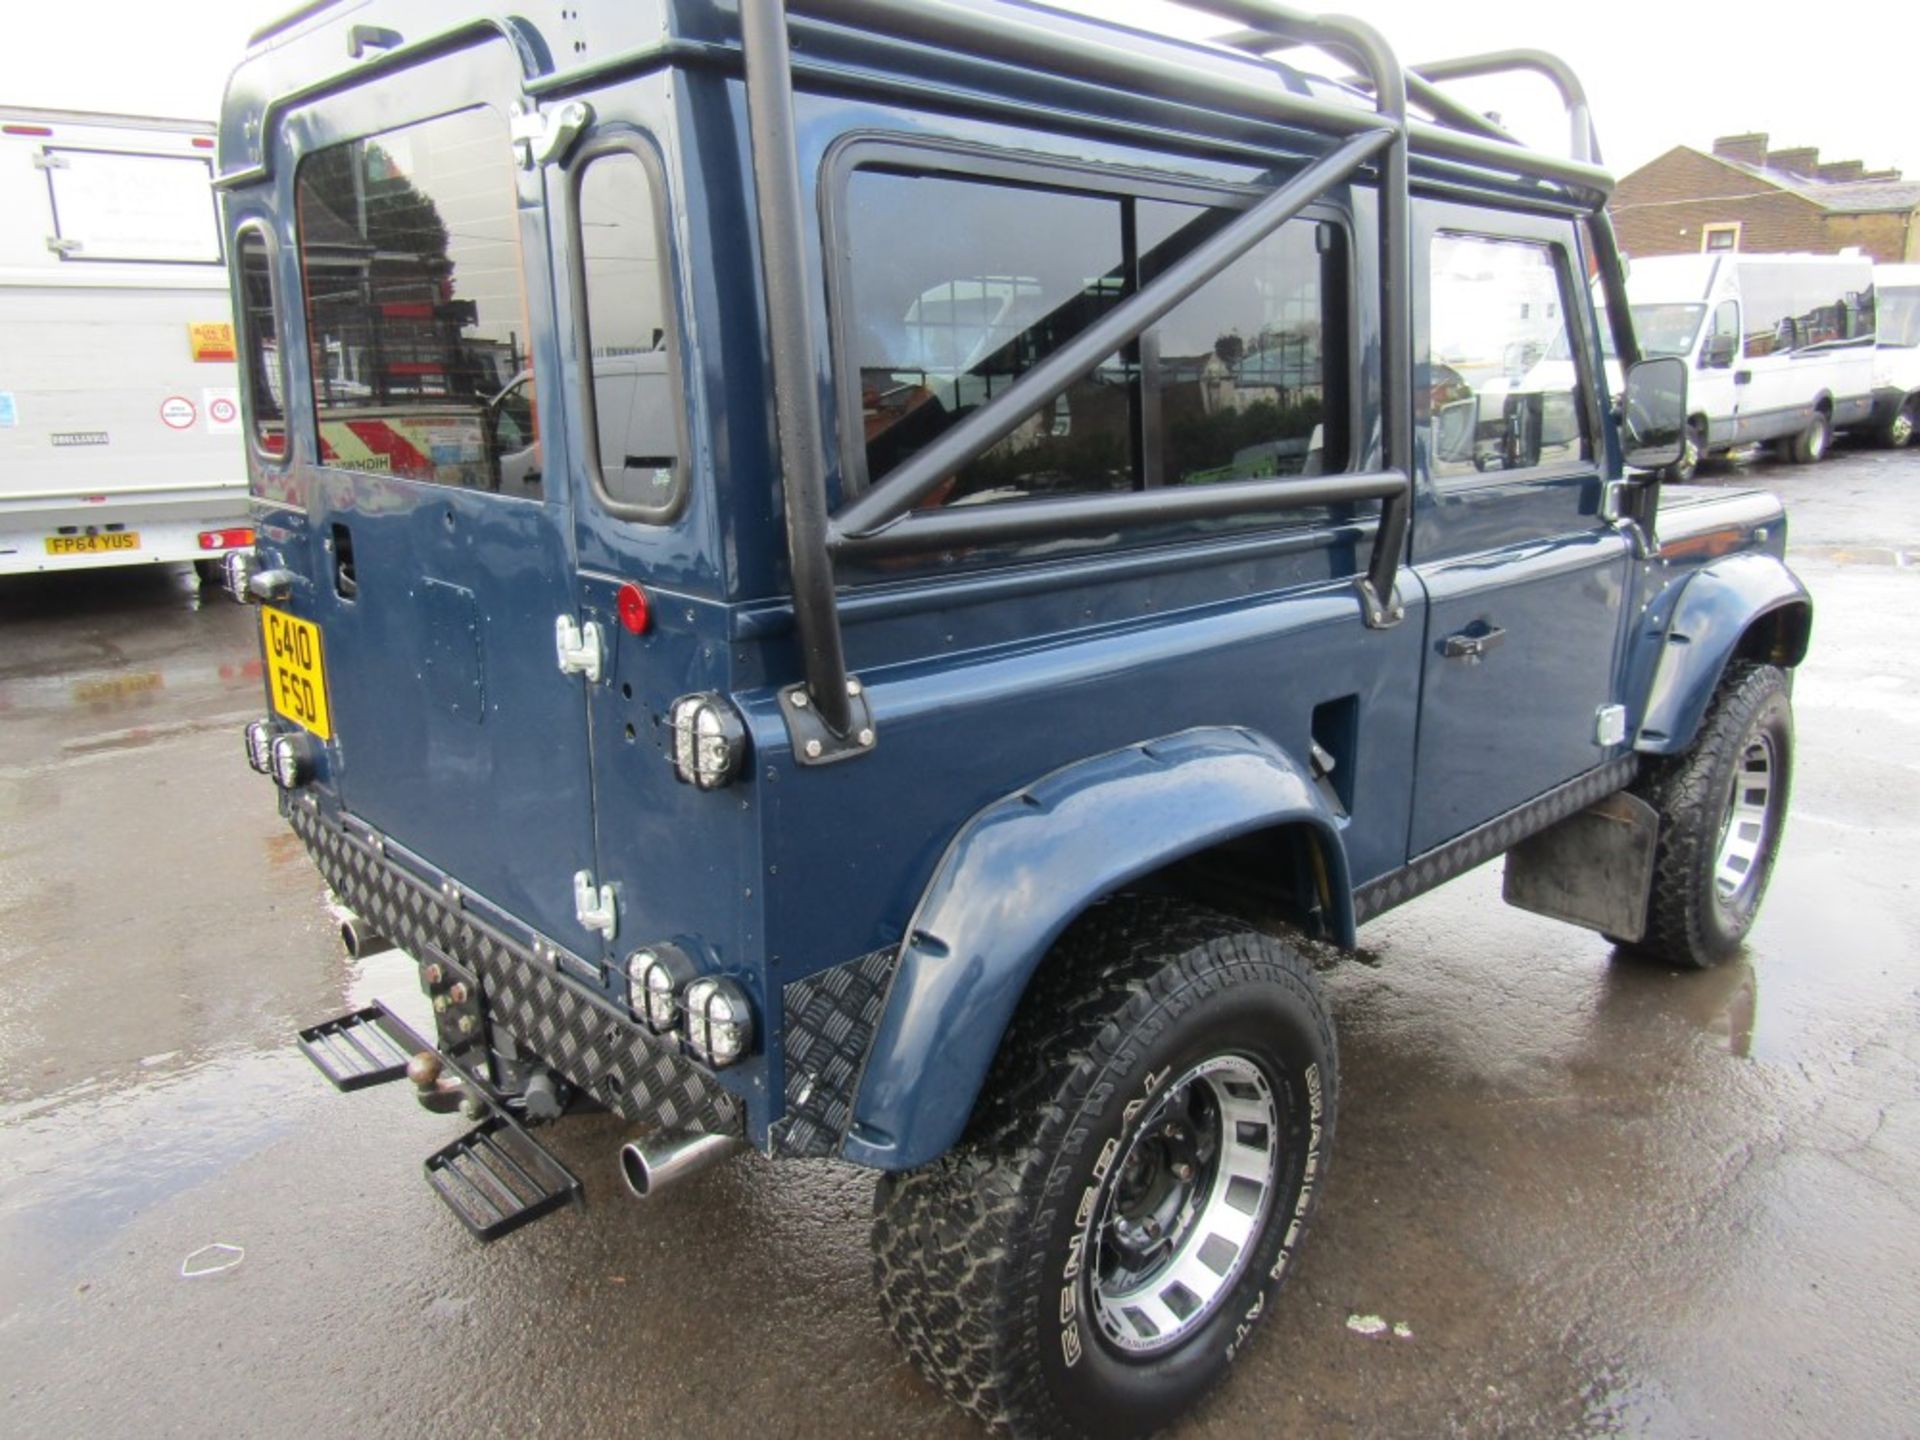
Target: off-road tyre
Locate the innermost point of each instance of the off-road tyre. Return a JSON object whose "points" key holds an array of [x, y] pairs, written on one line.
{"points": [[1691, 922], [1811, 445], [982, 1261]]}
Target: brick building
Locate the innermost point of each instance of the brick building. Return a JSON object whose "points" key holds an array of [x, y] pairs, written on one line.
{"points": [[1745, 196]]}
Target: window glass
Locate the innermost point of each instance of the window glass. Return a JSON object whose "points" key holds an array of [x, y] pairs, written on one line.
{"points": [[1497, 397], [1237, 372], [1798, 306], [109, 206], [628, 315], [1230, 385], [416, 309], [1666, 329], [1899, 316], [260, 339], [947, 315], [1720, 238]]}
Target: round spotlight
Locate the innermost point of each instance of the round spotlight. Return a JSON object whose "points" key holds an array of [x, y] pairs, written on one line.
{"points": [[291, 762], [260, 746], [655, 975], [719, 1022]]}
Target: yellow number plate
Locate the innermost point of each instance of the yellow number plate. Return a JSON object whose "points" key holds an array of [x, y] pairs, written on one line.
{"points": [[296, 675], [93, 544]]}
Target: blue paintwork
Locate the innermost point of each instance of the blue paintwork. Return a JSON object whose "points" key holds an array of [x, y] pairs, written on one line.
{"points": [[1188, 663], [1709, 613], [1013, 878]]}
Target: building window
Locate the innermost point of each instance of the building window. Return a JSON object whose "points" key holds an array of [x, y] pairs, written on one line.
{"points": [[1720, 239]]}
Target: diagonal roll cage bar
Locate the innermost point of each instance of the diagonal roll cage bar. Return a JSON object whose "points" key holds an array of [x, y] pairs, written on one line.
{"points": [[883, 520]]}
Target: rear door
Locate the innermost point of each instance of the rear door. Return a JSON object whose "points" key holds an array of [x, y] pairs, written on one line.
{"points": [[1524, 580], [442, 556]]}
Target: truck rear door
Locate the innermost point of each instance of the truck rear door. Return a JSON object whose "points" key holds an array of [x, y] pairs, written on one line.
{"points": [[441, 559]]}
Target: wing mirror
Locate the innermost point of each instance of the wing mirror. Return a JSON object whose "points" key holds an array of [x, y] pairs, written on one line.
{"points": [[1653, 413]]}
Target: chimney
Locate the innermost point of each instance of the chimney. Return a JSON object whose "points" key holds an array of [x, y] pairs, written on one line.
{"points": [[1841, 172], [1748, 149], [1878, 175], [1802, 160]]}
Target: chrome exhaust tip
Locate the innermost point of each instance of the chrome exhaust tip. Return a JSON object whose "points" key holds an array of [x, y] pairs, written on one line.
{"points": [[649, 1166], [359, 939]]}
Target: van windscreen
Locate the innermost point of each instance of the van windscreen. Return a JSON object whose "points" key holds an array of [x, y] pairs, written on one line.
{"points": [[416, 307]]}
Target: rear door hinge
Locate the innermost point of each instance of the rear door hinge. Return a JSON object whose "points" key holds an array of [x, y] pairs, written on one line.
{"points": [[595, 906], [60, 245], [1610, 725], [46, 160], [581, 648], [543, 137]]}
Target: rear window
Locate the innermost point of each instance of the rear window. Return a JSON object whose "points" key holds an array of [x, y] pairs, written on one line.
{"points": [[416, 306], [113, 206], [958, 286]]}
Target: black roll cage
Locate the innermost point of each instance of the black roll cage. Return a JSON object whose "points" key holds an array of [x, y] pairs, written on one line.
{"points": [[827, 712]]}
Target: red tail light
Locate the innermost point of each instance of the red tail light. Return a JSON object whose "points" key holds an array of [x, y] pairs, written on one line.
{"points": [[203, 142], [26, 129], [235, 539]]}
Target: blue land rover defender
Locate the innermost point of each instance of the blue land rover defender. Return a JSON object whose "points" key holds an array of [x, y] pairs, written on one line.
{"points": [[859, 578]]}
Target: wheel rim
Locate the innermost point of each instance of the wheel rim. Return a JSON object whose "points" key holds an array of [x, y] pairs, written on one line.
{"points": [[1747, 823], [1902, 429], [1817, 441], [1183, 1206]]}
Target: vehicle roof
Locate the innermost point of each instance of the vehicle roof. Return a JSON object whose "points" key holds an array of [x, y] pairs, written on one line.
{"points": [[1901, 277], [31, 115], [567, 45]]}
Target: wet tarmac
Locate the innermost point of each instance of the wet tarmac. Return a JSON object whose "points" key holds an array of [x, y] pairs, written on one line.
{"points": [[1599, 1198]]}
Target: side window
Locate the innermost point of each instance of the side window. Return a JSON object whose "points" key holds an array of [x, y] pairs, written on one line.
{"points": [[1723, 343], [947, 314], [416, 307], [260, 344], [941, 317], [629, 329], [1502, 389]]}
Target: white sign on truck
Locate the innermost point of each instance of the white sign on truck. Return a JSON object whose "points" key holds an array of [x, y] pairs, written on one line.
{"points": [[119, 434]]}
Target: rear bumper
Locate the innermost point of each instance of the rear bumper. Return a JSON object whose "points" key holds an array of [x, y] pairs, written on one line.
{"points": [[524, 1005]]}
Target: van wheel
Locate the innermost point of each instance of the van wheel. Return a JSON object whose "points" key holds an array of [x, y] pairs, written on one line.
{"points": [[1810, 446], [1134, 1184], [1722, 806], [1897, 433], [1693, 452]]}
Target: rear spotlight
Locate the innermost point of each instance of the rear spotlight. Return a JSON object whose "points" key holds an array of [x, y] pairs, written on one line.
{"points": [[719, 1022], [655, 976], [238, 567], [260, 746], [291, 761]]}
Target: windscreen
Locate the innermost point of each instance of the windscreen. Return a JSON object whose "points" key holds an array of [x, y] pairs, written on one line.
{"points": [[416, 307]]}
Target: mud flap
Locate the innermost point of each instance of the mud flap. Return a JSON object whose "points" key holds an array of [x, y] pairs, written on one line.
{"points": [[1594, 868], [496, 1177]]}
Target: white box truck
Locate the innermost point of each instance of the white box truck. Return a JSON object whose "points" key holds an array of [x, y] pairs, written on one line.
{"points": [[1781, 346], [1896, 359], [121, 439]]}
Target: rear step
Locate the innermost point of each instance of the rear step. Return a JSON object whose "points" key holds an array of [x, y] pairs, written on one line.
{"points": [[365, 1047], [496, 1177]]}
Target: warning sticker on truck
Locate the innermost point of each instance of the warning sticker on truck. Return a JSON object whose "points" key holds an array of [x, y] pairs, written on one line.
{"points": [[212, 340]]}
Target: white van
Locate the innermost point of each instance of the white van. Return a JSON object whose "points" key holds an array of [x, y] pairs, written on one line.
{"points": [[1782, 346], [121, 438], [1896, 359]]}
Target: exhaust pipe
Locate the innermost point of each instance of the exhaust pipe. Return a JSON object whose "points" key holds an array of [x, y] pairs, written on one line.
{"points": [[359, 939], [650, 1165]]}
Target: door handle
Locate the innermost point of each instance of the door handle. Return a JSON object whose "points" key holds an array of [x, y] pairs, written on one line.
{"points": [[1472, 644], [1743, 377]]}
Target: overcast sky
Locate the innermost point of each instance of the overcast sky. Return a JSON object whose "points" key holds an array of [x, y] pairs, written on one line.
{"points": [[1660, 72]]}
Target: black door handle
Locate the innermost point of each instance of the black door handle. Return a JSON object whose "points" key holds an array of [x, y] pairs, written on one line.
{"points": [[1472, 644], [1743, 377]]}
